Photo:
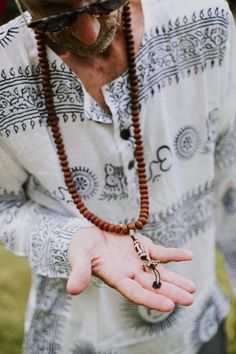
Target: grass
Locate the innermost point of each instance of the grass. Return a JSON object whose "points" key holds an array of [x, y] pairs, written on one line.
{"points": [[231, 320], [14, 285]]}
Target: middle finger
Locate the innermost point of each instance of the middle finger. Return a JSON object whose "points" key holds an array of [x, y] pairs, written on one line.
{"points": [[171, 291]]}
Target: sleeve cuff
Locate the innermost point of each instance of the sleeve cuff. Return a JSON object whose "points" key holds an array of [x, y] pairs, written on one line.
{"points": [[49, 237]]}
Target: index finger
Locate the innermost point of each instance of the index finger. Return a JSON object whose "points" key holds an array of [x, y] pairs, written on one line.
{"points": [[165, 255]]}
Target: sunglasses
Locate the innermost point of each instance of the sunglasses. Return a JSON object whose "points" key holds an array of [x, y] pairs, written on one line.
{"points": [[57, 22]]}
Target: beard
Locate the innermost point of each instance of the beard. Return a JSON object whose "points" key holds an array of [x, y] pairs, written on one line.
{"points": [[109, 27]]}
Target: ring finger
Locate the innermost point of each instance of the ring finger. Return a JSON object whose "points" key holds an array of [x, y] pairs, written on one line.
{"points": [[171, 291]]}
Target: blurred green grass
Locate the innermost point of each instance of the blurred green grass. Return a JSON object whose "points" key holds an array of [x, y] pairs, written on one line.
{"points": [[231, 320], [14, 286]]}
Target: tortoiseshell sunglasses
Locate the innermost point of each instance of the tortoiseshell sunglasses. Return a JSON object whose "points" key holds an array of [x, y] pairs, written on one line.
{"points": [[57, 22]]}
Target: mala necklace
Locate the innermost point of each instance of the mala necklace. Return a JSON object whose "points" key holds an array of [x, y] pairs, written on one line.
{"points": [[53, 121]]}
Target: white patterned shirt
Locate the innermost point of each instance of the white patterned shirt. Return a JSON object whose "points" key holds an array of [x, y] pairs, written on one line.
{"points": [[187, 81]]}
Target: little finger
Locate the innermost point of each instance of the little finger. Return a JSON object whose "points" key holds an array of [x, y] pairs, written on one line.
{"points": [[177, 279], [171, 291]]}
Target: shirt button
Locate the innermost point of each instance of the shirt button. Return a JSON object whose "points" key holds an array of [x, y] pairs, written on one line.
{"points": [[125, 134], [131, 164]]}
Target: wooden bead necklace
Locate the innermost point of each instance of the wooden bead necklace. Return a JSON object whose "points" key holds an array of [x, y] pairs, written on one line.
{"points": [[121, 229]]}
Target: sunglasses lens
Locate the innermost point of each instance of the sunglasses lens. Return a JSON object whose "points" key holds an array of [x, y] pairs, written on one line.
{"points": [[53, 23], [106, 6]]}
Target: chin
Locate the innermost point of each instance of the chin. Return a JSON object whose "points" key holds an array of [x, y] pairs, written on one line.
{"points": [[88, 50], [66, 40]]}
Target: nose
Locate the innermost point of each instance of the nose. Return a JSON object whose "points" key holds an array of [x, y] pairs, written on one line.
{"points": [[86, 28]]}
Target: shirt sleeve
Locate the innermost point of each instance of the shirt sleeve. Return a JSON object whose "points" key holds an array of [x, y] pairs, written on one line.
{"points": [[30, 230], [225, 160]]}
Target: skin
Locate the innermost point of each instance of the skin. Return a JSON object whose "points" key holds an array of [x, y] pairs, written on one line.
{"points": [[90, 47], [113, 259], [88, 35], [92, 50]]}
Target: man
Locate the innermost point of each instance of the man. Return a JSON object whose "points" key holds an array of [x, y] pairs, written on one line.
{"points": [[184, 55]]}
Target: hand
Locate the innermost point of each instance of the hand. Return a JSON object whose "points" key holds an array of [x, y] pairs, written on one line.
{"points": [[113, 259]]}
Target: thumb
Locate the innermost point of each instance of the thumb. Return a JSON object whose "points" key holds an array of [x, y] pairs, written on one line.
{"points": [[80, 275]]}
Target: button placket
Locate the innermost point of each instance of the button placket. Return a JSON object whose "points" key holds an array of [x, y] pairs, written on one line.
{"points": [[125, 144]]}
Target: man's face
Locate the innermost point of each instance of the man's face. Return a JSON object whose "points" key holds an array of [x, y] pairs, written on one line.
{"points": [[88, 35]]}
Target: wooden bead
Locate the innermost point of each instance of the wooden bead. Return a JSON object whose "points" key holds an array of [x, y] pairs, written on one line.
{"points": [[62, 158], [69, 179], [135, 112], [131, 226], [136, 126], [87, 214], [137, 131], [51, 112], [135, 119], [83, 209], [138, 137], [53, 120], [112, 228], [142, 180], [72, 190], [61, 153], [56, 132], [93, 217], [135, 82], [66, 169], [76, 200], [58, 141], [139, 154], [140, 170], [101, 224], [118, 229], [47, 91], [50, 105], [143, 220], [139, 225], [75, 195], [144, 195], [144, 205], [61, 147], [139, 149], [125, 230], [106, 227], [67, 174], [70, 185], [140, 163], [96, 221], [145, 201], [134, 102], [131, 54], [64, 163], [132, 72], [143, 175], [144, 210]]}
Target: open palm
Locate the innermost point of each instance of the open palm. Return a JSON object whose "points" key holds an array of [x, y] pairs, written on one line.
{"points": [[113, 259]]}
